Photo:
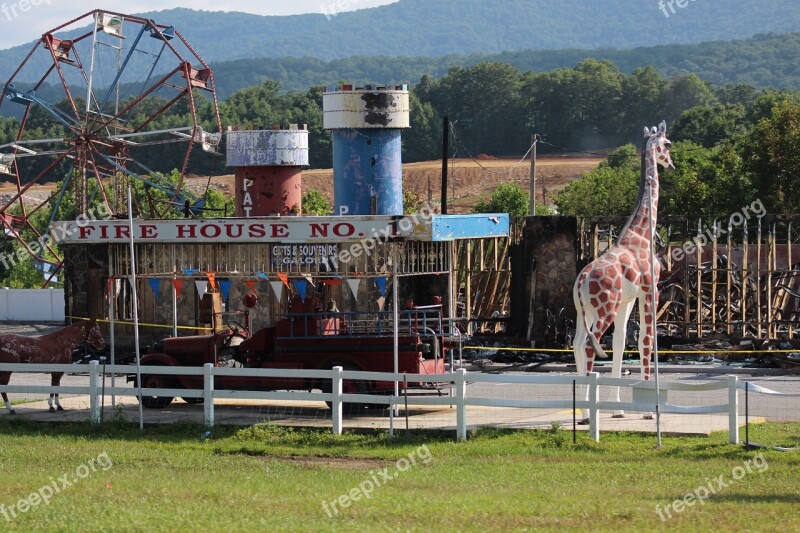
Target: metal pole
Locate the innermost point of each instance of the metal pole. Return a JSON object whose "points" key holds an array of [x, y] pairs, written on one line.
{"points": [[112, 296], [574, 414], [534, 138], [174, 307], [91, 72], [135, 310], [654, 313], [747, 413], [396, 327], [445, 160]]}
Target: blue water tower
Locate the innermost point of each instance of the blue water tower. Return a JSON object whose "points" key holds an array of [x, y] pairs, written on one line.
{"points": [[366, 125]]}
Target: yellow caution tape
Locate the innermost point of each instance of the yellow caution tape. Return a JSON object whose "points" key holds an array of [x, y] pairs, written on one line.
{"points": [[166, 326], [565, 350]]}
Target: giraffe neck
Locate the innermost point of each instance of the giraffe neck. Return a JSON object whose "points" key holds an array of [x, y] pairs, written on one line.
{"points": [[636, 232]]}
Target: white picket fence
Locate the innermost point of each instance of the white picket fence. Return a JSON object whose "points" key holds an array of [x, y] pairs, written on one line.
{"points": [[32, 305], [643, 393]]}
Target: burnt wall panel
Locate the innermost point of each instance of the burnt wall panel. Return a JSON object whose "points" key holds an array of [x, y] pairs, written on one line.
{"points": [[544, 267]]}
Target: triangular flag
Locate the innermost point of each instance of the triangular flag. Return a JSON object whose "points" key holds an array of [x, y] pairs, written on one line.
{"points": [[284, 277], [302, 287], [308, 278], [251, 283], [354, 284], [201, 287], [277, 288], [155, 284], [211, 276], [178, 284], [225, 287], [381, 303], [263, 276], [190, 272], [381, 283]]}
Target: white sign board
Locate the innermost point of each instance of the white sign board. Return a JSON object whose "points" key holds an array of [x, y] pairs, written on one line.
{"points": [[229, 231]]}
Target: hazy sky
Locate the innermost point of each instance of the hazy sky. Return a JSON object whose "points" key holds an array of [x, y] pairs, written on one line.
{"points": [[23, 21]]}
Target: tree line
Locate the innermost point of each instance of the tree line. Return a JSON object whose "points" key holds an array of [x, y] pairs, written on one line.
{"points": [[495, 107]]}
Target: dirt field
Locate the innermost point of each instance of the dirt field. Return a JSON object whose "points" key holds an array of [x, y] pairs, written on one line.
{"points": [[470, 181]]}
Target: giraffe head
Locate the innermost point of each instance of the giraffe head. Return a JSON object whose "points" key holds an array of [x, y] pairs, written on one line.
{"points": [[656, 140]]}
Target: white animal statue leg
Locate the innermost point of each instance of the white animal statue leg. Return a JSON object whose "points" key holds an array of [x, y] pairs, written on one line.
{"points": [[620, 336]]}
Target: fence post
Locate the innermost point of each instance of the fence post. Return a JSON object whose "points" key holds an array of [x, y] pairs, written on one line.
{"points": [[336, 401], [461, 405], [594, 412], [208, 395], [733, 409], [94, 395]]}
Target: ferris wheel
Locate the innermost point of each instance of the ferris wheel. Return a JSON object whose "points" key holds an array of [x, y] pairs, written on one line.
{"points": [[103, 99]]}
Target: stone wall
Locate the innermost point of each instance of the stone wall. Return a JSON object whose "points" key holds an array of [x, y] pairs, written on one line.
{"points": [[544, 266]]}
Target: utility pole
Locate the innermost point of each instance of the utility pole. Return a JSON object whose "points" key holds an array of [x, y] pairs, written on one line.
{"points": [[534, 139], [445, 155]]}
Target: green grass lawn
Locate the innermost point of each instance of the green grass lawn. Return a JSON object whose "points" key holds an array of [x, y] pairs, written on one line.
{"points": [[267, 478]]}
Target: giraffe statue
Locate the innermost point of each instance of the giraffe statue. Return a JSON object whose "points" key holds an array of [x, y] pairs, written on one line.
{"points": [[607, 288]]}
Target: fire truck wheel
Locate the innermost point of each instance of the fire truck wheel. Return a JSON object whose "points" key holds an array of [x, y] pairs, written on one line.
{"points": [[155, 382]]}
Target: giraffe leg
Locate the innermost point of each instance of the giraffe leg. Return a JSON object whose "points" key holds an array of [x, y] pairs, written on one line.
{"points": [[579, 349], [620, 335], [646, 339]]}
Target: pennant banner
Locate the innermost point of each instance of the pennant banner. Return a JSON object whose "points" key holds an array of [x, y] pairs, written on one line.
{"points": [[211, 276], [381, 303], [354, 284], [225, 287], [263, 276], [302, 288], [381, 283], [201, 287], [284, 277], [155, 284], [190, 272], [277, 288], [251, 283], [309, 279], [178, 284]]}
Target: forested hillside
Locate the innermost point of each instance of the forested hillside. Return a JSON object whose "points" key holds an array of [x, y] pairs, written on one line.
{"points": [[443, 27], [495, 108], [761, 61]]}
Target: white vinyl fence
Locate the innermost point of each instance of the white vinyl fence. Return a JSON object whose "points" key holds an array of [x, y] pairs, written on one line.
{"points": [[31, 305], [643, 393]]}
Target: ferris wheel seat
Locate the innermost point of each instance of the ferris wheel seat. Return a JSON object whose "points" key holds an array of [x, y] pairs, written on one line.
{"points": [[18, 97], [199, 77], [60, 48], [167, 34]]}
